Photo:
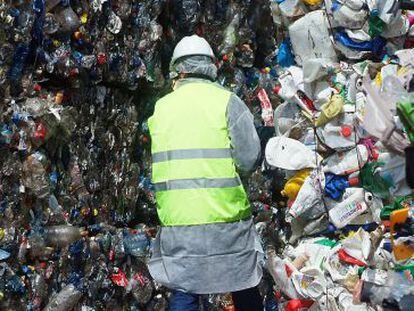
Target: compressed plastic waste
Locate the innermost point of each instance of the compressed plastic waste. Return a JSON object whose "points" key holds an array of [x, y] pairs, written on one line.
{"points": [[330, 85], [359, 80]]}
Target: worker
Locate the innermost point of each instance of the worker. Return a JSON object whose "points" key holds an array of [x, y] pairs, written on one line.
{"points": [[203, 142]]}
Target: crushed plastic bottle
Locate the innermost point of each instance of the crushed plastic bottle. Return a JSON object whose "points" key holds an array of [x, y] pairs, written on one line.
{"points": [[66, 299]]}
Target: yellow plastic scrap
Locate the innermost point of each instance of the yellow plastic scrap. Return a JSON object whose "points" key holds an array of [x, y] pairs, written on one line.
{"points": [[402, 71], [2, 233], [378, 79], [347, 235], [330, 110], [84, 18], [312, 2], [294, 184]]}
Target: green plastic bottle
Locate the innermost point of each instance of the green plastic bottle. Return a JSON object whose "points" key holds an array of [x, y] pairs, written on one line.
{"points": [[373, 182], [376, 26]]}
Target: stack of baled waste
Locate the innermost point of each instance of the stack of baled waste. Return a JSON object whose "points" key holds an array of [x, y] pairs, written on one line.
{"points": [[78, 79], [343, 135]]}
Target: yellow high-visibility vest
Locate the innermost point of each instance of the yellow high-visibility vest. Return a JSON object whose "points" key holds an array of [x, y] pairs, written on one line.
{"points": [[193, 172]]}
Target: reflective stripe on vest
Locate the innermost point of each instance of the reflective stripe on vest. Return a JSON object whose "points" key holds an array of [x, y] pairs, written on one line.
{"points": [[195, 183], [190, 154], [193, 171]]}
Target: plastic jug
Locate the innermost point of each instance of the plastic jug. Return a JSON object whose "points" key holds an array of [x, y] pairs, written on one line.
{"points": [[344, 212]]}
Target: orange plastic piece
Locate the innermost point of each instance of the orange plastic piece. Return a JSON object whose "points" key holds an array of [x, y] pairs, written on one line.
{"points": [[399, 217], [401, 252]]}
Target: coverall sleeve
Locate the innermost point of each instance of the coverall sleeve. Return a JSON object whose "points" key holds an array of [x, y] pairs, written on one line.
{"points": [[245, 142]]}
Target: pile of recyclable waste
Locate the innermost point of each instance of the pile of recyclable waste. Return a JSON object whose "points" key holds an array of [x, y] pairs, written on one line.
{"points": [[331, 88], [343, 146]]}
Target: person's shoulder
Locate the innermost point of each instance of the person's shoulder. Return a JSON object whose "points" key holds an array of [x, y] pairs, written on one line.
{"points": [[236, 101], [236, 98], [165, 97], [223, 88]]}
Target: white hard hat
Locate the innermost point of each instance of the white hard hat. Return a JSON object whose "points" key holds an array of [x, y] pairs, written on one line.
{"points": [[192, 45]]}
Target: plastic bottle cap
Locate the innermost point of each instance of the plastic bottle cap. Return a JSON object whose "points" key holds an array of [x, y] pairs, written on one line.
{"points": [[59, 98], [77, 35], [225, 58], [266, 70], [278, 295], [353, 182], [375, 154], [101, 58], [74, 72], [37, 87], [346, 130], [277, 89]]}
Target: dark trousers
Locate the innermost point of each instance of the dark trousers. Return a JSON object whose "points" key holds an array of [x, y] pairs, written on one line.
{"points": [[245, 300]]}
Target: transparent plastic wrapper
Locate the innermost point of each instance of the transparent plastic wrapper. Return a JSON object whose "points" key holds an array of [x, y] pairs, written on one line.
{"points": [[309, 195], [315, 68], [292, 8], [66, 299], [67, 19], [393, 171], [379, 120], [396, 292], [285, 118], [277, 268], [310, 283], [310, 38], [230, 35], [350, 18], [358, 245]]}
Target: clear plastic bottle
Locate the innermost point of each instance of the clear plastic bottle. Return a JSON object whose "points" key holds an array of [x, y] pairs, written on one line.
{"points": [[65, 300], [230, 36], [34, 175], [62, 235]]}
